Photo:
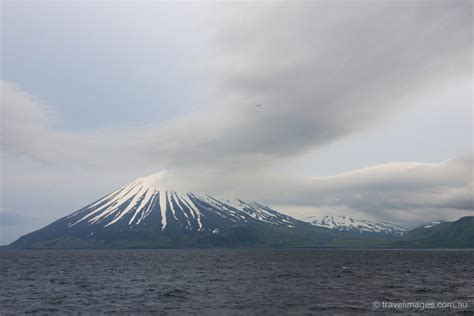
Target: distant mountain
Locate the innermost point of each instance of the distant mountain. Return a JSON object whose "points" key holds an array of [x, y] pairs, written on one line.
{"points": [[457, 234], [348, 224], [143, 214]]}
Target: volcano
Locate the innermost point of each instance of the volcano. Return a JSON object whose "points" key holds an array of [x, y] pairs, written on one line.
{"points": [[144, 214]]}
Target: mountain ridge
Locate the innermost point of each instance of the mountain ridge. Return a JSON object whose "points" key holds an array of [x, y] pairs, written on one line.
{"points": [[456, 234], [346, 223], [144, 214]]}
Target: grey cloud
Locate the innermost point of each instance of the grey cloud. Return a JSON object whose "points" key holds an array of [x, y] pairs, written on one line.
{"points": [[321, 70], [28, 130], [403, 192]]}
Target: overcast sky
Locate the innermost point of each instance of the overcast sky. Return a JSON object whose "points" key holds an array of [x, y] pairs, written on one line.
{"points": [[366, 107]]}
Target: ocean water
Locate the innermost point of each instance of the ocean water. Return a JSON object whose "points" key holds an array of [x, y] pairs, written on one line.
{"points": [[236, 282]]}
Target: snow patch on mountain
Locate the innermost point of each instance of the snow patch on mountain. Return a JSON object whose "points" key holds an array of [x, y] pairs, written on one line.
{"points": [[345, 223], [432, 224]]}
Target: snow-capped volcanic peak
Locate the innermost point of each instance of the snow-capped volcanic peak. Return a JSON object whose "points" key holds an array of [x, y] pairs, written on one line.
{"points": [[147, 200], [345, 223]]}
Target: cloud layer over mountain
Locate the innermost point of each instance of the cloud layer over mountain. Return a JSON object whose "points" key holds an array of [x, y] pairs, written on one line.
{"points": [[321, 71]]}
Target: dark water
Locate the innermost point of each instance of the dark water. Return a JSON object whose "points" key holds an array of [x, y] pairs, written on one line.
{"points": [[233, 282]]}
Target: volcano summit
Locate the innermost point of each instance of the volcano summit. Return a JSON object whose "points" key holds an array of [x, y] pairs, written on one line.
{"points": [[144, 214]]}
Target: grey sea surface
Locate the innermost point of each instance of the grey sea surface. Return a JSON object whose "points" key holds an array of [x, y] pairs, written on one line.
{"points": [[236, 282]]}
